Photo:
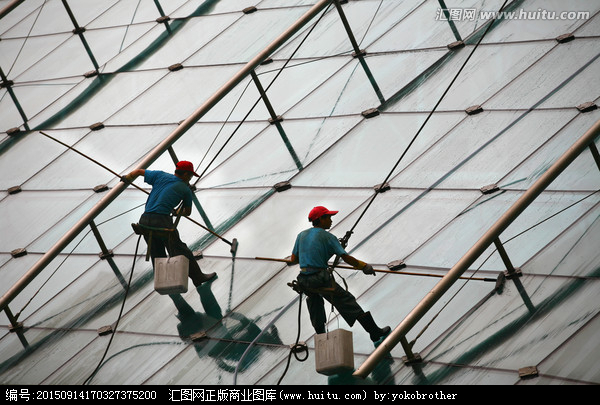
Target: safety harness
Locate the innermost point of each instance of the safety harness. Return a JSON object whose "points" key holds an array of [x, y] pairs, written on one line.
{"points": [[164, 233]]}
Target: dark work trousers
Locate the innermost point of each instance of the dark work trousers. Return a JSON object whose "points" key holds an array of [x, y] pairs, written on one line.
{"points": [[340, 298], [173, 245]]}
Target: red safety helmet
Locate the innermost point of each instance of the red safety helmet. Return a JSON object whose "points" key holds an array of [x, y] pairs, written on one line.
{"points": [[186, 166], [318, 212]]}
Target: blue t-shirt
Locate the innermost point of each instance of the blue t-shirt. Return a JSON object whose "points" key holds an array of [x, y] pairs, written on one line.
{"points": [[315, 246], [167, 191]]}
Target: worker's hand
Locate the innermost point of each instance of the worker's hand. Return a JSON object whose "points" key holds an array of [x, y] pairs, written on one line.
{"points": [[368, 269], [129, 178], [290, 261]]}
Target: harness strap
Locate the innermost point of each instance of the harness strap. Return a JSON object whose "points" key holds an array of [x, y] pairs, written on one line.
{"points": [[148, 231]]}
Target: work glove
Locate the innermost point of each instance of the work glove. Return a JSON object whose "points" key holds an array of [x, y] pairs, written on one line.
{"points": [[365, 267], [368, 269], [129, 178]]}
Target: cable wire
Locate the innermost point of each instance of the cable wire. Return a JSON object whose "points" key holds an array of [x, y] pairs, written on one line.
{"points": [[266, 89], [427, 118], [119, 317]]}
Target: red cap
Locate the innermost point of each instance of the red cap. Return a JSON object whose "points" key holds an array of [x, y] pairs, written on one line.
{"points": [[186, 166], [318, 212]]}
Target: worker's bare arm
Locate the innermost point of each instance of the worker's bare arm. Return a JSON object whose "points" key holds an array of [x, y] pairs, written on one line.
{"points": [[133, 175], [291, 260]]}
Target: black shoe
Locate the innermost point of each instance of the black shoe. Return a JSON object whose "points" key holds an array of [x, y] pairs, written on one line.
{"points": [[375, 332], [205, 278]]}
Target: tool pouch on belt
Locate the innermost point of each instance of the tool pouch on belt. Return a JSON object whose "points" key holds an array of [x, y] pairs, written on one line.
{"points": [[331, 290]]}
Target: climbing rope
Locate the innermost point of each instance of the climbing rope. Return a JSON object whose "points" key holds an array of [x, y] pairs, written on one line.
{"points": [[424, 122], [258, 100], [119, 317], [296, 347]]}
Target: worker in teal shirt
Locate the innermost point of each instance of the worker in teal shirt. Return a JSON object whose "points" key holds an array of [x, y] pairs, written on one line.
{"points": [[168, 190], [312, 250]]}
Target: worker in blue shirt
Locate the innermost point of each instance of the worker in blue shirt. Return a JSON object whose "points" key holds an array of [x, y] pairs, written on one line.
{"points": [[312, 250], [168, 190]]}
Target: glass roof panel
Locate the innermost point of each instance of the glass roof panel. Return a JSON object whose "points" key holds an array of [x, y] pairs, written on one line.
{"points": [[564, 256], [543, 19], [27, 10], [464, 141], [30, 216], [179, 48], [572, 360], [354, 93], [589, 28], [445, 250], [513, 330], [291, 207], [191, 87], [395, 225], [418, 29], [52, 66], [43, 363], [252, 34], [491, 161], [369, 152], [582, 174], [547, 76], [473, 85], [479, 332], [35, 49], [9, 114], [213, 7]]}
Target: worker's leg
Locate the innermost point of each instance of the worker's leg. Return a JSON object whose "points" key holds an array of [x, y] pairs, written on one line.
{"points": [[345, 303], [177, 247], [375, 332], [314, 301], [316, 311], [157, 244]]}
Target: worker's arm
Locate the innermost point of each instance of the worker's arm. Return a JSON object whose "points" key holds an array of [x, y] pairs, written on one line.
{"points": [[291, 260], [357, 264], [185, 211], [129, 178]]}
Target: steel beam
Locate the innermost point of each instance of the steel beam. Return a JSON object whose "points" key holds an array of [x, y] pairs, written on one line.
{"points": [[158, 151], [479, 248]]}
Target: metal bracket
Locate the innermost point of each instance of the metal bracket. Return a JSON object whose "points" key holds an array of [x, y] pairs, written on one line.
{"points": [[528, 372], [105, 330], [565, 38], [396, 265], [456, 45], [18, 252], [489, 189], [475, 109], [100, 188], [106, 255], [587, 107], [198, 336], [382, 188], [282, 186], [511, 271], [97, 126], [13, 131], [370, 113], [410, 358]]}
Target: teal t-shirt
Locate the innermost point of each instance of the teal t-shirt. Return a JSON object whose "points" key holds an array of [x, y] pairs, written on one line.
{"points": [[315, 246], [167, 191]]}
